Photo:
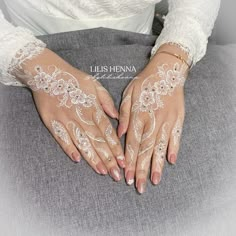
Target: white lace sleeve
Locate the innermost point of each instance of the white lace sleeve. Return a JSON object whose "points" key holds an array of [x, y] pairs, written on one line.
{"points": [[17, 44], [189, 23]]}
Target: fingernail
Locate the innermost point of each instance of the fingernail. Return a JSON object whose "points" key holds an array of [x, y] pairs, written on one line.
{"points": [[121, 161], [101, 168], [120, 130], [129, 177], [156, 178], [172, 158], [76, 157], [115, 173], [115, 113], [141, 186]]}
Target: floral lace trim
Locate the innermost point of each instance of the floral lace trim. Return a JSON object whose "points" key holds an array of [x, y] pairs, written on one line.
{"points": [[28, 52], [26, 47]]}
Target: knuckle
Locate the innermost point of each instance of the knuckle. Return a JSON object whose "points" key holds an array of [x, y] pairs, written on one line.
{"points": [[141, 172], [110, 162]]}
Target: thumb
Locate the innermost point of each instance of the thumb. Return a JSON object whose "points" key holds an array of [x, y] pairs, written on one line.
{"points": [[107, 102]]}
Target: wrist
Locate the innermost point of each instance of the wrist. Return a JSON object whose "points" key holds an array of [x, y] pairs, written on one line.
{"points": [[175, 51], [45, 59], [174, 48]]}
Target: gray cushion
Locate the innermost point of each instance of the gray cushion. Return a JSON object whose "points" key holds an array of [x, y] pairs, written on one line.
{"points": [[42, 192]]}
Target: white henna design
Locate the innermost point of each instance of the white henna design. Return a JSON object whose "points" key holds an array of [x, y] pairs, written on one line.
{"points": [[160, 148], [99, 113], [80, 115], [141, 152], [152, 128], [60, 131], [131, 153], [83, 142], [108, 133], [146, 149], [137, 125], [66, 87], [151, 93], [176, 132], [104, 153], [98, 139]]}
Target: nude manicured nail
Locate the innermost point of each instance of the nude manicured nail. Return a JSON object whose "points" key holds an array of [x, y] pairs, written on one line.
{"points": [[121, 161], [115, 113], [101, 168], [120, 130], [76, 157], [115, 173], [130, 177], [172, 158], [156, 177], [141, 185]]}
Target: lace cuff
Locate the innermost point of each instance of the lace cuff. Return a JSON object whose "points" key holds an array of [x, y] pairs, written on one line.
{"points": [[16, 47], [186, 32]]}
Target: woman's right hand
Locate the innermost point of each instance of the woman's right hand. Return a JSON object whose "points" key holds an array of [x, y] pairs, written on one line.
{"points": [[74, 107]]}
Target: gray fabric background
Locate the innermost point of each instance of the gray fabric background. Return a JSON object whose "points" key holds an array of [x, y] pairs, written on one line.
{"points": [[43, 193]]}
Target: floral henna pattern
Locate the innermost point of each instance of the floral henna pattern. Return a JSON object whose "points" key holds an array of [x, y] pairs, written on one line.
{"points": [[60, 131], [131, 153], [151, 94], [108, 133], [65, 86], [160, 148], [83, 142], [176, 132]]}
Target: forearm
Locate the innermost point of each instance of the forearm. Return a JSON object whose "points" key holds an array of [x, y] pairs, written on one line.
{"points": [[189, 23]]}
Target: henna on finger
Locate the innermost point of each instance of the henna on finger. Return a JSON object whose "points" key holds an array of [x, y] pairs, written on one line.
{"points": [[113, 144], [176, 132], [159, 154], [60, 131], [108, 135], [145, 159], [151, 93], [83, 142], [161, 146], [62, 136], [175, 140]]}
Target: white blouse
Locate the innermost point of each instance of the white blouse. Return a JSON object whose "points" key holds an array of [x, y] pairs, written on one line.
{"points": [[188, 23]]}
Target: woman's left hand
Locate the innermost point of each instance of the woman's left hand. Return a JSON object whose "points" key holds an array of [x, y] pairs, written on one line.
{"points": [[152, 113]]}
